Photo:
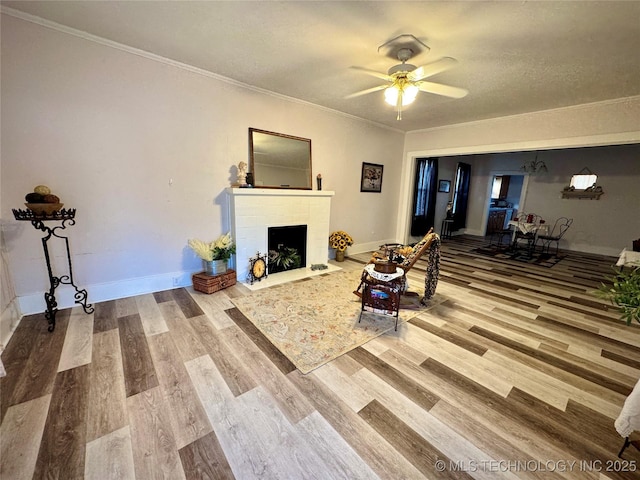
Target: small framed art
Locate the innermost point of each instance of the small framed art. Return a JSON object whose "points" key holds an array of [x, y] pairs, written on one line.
{"points": [[371, 180], [444, 186]]}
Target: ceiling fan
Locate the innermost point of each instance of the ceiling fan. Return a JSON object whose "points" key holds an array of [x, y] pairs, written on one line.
{"points": [[406, 80]]}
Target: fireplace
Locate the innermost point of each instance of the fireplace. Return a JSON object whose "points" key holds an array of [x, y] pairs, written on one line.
{"points": [[287, 248], [253, 211]]}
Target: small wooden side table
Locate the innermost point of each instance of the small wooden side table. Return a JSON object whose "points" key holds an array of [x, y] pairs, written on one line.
{"points": [[381, 294]]}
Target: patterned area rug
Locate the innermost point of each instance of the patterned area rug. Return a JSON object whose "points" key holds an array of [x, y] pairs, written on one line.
{"points": [[542, 259], [314, 321]]}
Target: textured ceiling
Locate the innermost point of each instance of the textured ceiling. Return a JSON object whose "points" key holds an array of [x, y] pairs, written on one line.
{"points": [[514, 57]]}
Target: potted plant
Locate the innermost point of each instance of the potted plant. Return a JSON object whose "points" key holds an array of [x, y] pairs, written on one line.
{"points": [[286, 258], [340, 241], [623, 290], [215, 255]]}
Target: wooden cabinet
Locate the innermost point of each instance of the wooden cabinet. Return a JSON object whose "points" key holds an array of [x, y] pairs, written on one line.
{"points": [[500, 189], [499, 219], [496, 221], [504, 187]]}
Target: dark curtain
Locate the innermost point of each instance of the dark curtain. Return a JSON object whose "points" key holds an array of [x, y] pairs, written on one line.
{"points": [[424, 196], [461, 196]]}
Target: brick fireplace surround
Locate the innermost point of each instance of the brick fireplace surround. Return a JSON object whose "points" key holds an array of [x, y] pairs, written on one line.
{"points": [[253, 210]]}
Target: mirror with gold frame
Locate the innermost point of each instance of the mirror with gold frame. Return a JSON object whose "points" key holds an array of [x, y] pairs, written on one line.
{"points": [[279, 161]]}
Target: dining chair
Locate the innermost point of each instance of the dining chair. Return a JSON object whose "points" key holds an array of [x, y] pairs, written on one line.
{"points": [[497, 231], [500, 235], [514, 226], [555, 235], [528, 223]]}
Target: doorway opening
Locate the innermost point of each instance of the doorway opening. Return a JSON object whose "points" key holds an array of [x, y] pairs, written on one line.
{"points": [[506, 193]]}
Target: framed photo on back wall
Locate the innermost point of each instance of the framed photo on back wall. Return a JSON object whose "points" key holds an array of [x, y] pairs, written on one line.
{"points": [[444, 186], [371, 180]]}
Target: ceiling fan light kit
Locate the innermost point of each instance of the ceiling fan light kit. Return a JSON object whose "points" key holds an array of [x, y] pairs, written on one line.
{"points": [[406, 94], [405, 79]]}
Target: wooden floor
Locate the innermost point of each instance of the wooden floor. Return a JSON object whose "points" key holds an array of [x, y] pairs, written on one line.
{"points": [[520, 373]]}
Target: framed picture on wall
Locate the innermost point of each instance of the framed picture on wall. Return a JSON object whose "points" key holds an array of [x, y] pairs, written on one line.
{"points": [[371, 180], [444, 186]]}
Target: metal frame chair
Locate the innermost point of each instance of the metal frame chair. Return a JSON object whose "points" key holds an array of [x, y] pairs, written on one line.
{"points": [[498, 231], [628, 442], [528, 237], [557, 232]]}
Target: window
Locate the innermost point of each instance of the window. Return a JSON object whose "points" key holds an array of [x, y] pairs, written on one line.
{"points": [[495, 190], [500, 188], [461, 196], [424, 195]]}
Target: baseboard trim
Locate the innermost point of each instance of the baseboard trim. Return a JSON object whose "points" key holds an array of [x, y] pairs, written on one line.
{"points": [[102, 292]]}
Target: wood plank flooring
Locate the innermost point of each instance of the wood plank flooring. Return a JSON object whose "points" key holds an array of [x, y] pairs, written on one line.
{"points": [[518, 373]]}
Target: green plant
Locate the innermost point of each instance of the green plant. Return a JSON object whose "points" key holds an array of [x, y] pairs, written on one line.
{"points": [[220, 249], [623, 290], [284, 259]]}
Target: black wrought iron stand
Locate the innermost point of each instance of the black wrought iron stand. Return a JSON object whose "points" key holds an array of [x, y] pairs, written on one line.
{"points": [[66, 216]]}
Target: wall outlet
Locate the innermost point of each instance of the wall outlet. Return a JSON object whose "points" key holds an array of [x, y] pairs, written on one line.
{"points": [[176, 281]]}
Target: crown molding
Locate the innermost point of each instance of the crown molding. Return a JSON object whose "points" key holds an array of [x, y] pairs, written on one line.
{"points": [[183, 66], [581, 106]]}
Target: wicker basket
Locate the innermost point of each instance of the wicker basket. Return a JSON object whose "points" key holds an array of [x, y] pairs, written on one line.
{"points": [[212, 283]]}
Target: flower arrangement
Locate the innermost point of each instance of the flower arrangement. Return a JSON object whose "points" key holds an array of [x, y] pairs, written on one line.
{"points": [[340, 240], [220, 249]]}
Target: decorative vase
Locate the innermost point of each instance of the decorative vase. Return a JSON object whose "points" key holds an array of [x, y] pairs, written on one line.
{"points": [[339, 255], [214, 267]]}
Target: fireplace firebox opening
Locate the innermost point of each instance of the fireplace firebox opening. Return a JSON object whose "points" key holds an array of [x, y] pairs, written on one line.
{"points": [[287, 247]]}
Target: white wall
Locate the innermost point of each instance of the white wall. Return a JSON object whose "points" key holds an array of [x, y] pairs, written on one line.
{"points": [[603, 226], [144, 150], [602, 123], [618, 167], [9, 310]]}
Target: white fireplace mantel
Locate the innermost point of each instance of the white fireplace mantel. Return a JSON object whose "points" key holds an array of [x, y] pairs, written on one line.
{"points": [[253, 210]]}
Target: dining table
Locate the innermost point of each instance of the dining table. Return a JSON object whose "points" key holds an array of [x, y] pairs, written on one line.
{"points": [[526, 227], [627, 258]]}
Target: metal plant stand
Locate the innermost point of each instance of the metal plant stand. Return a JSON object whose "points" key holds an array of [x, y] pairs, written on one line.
{"points": [[66, 216]]}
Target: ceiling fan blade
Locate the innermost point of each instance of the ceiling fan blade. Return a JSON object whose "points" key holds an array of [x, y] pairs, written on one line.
{"points": [[368, 90], [445, 90], [373, 73], [430, 69]]}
